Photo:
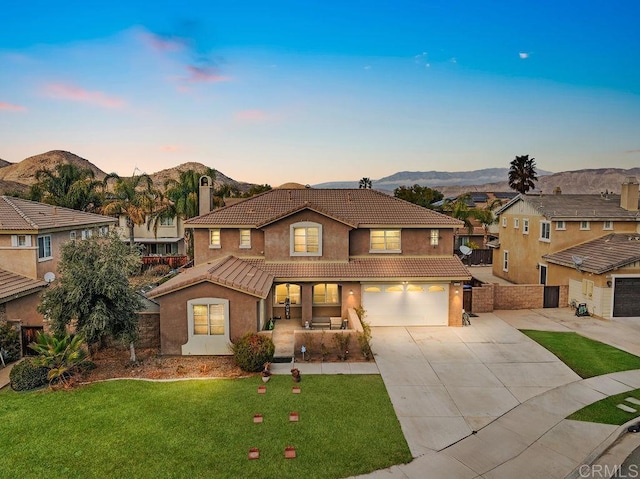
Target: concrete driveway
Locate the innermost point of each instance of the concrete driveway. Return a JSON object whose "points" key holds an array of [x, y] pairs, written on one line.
{"points": [[445, 383]]}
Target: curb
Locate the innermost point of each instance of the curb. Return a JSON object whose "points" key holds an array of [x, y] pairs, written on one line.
{"points": [[602, 448]]}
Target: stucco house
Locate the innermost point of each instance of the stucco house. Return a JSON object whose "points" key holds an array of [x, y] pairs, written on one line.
{"points": [[534, 228], [309, 254], [31, 235]]}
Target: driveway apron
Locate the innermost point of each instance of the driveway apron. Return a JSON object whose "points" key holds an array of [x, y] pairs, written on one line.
{"points": [[446, 383]]}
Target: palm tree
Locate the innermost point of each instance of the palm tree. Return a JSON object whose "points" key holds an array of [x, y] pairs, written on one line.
{"points": [[366, 183], [522, 174], [68, 186], [134, 197]]}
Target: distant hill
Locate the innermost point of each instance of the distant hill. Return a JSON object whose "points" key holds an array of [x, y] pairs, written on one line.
{"points": [[432, 179], [17, 177]]}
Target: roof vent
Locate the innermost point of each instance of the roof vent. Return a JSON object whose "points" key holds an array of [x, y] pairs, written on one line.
{"points": [[557, 191]]}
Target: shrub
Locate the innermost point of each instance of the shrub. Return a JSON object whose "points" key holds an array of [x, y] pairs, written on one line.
{"points": [[252, 350], [62, 356], [9, 343], [364, 340], [27, 375], [342, 341]]}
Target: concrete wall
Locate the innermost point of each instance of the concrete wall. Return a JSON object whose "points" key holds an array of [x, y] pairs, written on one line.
{"points": [[482, 298], [518, 296]]}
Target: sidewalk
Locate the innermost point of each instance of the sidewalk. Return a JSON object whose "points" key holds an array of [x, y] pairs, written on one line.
{"points": [[4, 375]]}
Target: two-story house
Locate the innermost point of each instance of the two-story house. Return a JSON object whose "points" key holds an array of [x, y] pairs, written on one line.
{"points": [[307, 253], [535, 229], [31, 235]]}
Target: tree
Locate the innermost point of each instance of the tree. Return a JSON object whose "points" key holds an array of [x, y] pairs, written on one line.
{"points": [[69, 186], [93, 293], [419, 195], [256, 189], [365, 183], [522, 174], [133, 197]]}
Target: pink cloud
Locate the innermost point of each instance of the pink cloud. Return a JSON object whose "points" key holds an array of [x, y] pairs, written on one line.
{"points": [[63, 91], [204, 75], [163, 44], [11, 107], [169, 148], [252, 116]]}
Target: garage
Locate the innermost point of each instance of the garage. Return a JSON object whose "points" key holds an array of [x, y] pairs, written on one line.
{"points": [[626, 291], [411, 304]]}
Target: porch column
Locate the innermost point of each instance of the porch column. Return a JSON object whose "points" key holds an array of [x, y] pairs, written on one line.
{"points": [[306, 293]]}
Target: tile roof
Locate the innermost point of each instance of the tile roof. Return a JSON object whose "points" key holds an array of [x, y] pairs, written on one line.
{"points": [[577, 207], [255, 276], [355, 207], [14, 285], [17, 214], [601, 255], [230, 271]]}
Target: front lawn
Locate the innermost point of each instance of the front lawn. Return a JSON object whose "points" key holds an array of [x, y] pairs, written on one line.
{"points": [[585, 356], [606, 412], [201, 429]]}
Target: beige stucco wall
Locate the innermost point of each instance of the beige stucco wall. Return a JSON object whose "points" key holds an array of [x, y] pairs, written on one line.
{"points": [[414, 241], [24, 310], [526, 250]]}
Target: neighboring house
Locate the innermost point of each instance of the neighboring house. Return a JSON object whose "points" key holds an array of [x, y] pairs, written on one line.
{"points": [[307, 254], [603, 273], [162, 245], [31, 235], [534, 227]]}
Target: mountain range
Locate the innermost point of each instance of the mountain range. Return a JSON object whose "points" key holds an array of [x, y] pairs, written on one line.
{"points": [[17, 177]]}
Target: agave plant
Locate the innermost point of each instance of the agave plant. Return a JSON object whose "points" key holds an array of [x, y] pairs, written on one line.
{"points": [[62, 355]]}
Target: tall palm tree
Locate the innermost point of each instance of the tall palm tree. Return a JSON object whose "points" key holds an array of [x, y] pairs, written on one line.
{"points": [[366, 183], [522, 174], [69, 186], [134, 197]]}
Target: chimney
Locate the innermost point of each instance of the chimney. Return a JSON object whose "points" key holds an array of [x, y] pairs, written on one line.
{"points": [[557, 191], [629, 194], [205, 195]]}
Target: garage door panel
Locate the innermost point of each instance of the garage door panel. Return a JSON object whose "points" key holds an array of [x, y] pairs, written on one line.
{"points": [[626, 301], [406, 305]]}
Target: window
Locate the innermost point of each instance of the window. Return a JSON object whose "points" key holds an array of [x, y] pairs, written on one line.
{"points": [[245, 239], [505, 261], [103, 231], [545, 231], [504, 222], [394, 289], [72, 235], [86, 234], [561, 225], [584, 225], [214, 238], [305, 239], [516, 223], [208, 319], [607, 225], [373, 289], [166, 221], [587, 288], [21, 241], [284, 291], [44, 247], [413, 288], [525, 226], [385, 241], [326, 293], [435, 237]]}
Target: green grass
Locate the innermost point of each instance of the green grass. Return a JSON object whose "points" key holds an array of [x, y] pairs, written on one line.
{"points": [[606, 412], [585, 356], [201, 429]]}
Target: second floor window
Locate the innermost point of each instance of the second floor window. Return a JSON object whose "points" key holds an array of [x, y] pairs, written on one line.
{"points": [[516, 223], [245, 238], [545, 230], [306, 239], [44, 247], [584, 225], [607, 225], [525, 226], [166, 221], [385, 241], [214, 238], [561, 225], [21, 241], [435, 237], [86, 234]]}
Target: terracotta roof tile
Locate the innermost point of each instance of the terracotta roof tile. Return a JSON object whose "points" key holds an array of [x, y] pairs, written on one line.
{"points": [[14, 285], [18, 214], [356, 207], [255, 276], [601, 255]]}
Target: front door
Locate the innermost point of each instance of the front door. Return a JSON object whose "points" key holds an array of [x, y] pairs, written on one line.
{"points": [[29, 335]]}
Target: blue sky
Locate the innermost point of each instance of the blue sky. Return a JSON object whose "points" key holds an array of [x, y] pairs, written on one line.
{"points": [[270, 92]]}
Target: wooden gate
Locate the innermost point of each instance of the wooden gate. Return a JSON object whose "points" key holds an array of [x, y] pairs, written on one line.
{"points": [[29, 335], [551, 296]]}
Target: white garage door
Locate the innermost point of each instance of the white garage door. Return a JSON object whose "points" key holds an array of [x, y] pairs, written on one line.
{"points": [[406, 304]]}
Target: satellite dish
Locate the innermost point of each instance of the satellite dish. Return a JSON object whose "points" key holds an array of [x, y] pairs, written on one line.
{"points": [[465, 250], [49, 277], [577, 261]]}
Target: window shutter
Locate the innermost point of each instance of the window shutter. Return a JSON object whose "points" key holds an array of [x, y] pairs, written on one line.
{"points": [[14, 240]]}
